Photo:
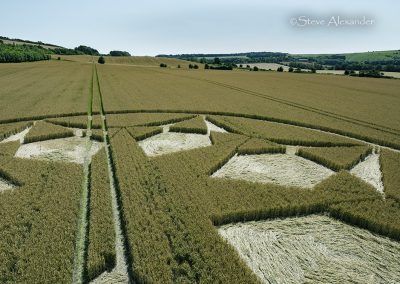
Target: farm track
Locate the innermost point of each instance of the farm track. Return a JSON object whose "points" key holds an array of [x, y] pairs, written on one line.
{"points": [[367, 124], [83, 225], [120, 273]]}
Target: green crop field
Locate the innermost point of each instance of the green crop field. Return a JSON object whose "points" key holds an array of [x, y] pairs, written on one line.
{"points": [[122, 173]]}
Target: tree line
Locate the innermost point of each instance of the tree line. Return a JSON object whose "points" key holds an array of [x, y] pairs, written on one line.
{"points": [[22, 53]]}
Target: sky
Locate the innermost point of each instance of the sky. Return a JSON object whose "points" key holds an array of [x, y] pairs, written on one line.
{"points": [[153, 27]]}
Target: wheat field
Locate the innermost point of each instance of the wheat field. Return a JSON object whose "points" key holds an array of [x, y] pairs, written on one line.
{"points": [[122, 173]]}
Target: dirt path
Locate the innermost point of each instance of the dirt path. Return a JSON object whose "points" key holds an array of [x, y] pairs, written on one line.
{"points": [[120, 273], [81, 243]]}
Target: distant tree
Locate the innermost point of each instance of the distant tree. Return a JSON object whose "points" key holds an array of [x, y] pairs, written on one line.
{"points": [[101, 60], [195, 66], [247, 66], [206, 66], [203, 60], [241, 66], [298, 70], [290, 69], [87, 50], [59, 58], [217, 61], [179, 66], [255, 68], [190, 66], [313, 70], [280, 69], [119, 53], [163, 65], [346, 72]]}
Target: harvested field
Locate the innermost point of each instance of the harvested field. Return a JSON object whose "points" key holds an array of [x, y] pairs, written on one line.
{"points": [[282, 169], [66, 150], [267, 66], [314, 249]]}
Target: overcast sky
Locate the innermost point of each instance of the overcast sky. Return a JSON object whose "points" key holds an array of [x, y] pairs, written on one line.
{"points": [[150, 27]]}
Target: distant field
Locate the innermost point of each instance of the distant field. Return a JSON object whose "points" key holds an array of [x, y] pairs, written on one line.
{"points": [[7, 41], [267, 66], [362, 106], [43, 88], [362, 56], [373, 55], [139, 61], [341, 72]]}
